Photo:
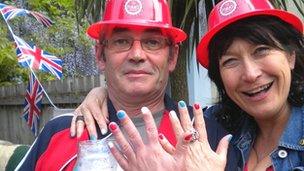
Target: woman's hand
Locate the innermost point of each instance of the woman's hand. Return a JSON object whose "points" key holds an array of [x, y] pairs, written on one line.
{"points": [[200, 156], [94, 107], [135, 155]]}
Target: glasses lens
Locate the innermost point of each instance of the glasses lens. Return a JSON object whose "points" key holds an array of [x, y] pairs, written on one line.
{"points": [[119, 44], [153, 43]]}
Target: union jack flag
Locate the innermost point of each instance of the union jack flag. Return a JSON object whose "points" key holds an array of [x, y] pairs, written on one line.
{"points": [[9, 12], [32, 104], [42, 19], [34, 57]]}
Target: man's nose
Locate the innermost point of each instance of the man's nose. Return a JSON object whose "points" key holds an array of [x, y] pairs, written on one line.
{"points": [[137, 53]]}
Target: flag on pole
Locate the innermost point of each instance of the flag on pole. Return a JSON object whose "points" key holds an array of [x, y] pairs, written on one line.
{"points": [[32, 104], [36, 58]]}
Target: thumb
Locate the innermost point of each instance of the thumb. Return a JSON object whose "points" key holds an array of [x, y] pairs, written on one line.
{"points": [[222, 148]]}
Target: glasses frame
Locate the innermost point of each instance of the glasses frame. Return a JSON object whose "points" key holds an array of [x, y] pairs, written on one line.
{"points": [[166, 42]]}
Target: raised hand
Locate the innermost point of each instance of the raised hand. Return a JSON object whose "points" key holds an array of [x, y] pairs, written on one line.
{"points": [[135, 155], [200, 156]]}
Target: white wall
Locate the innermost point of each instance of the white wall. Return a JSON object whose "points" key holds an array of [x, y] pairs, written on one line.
{"points": [[199, 85]]}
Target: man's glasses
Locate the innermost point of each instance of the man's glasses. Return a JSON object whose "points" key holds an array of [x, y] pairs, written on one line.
{"points": [[149, 44]]}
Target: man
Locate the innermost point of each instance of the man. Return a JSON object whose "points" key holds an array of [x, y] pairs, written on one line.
{"points": [[137, 48]]}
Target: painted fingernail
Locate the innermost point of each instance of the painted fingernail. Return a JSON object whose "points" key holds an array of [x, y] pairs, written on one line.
{"points": [[144, 110], [161, 136], [113, 126], [196, 106], [103, 131], [181, 104], [188, 137], [121, 114], [173, 114], [72, 135], [110, 144], [229, 137], [93, 137]]}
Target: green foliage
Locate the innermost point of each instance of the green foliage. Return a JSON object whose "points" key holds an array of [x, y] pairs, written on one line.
{"points": [[287, 5], [88, 10], [10, 72], [53, 8], [60, 39]]}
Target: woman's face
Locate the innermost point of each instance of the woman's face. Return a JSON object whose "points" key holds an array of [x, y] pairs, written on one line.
{"points": [[257, 77]]}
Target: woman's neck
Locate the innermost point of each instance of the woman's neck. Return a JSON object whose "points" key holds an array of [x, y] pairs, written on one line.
{"points": [[273, 127], [270, 131]]}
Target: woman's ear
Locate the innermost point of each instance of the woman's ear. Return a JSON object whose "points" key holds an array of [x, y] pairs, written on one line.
{"points": [[100, 58], [292, 60]]}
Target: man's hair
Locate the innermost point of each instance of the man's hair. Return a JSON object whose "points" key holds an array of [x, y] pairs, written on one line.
{"points": [[266, 30]]}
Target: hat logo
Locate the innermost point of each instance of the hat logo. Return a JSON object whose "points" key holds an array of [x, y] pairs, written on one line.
{"points": [[133, 7], [227, 7]]}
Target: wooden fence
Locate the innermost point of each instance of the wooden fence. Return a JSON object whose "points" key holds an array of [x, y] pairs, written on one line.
{"points": [[66, 94]]}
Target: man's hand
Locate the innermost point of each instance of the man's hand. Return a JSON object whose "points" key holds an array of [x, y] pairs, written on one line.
{"points": [[134, 155]]}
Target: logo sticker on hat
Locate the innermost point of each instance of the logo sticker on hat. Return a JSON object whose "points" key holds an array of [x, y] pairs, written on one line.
{"points": [[228, 7], [133, 7]]}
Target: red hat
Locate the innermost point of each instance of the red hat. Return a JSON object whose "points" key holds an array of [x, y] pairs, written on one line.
{"points": [[137, 13], [228, 11]]}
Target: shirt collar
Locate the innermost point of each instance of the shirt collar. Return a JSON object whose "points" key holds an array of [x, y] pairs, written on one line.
{"points": [[294, 132]]}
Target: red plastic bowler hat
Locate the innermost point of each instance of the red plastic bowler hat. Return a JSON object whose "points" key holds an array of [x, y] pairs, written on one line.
{"points": [[229, 11], [137, 13]]}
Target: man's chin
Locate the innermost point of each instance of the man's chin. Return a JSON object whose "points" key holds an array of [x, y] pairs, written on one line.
{"points": [[138, 92]]}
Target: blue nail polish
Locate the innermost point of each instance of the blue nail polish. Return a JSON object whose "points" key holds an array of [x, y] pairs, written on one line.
{"points": [[93, 137], [121, 114], [181, 104]]}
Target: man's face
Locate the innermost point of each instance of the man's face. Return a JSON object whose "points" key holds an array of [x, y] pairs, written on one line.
{"points": [[137, 63]]}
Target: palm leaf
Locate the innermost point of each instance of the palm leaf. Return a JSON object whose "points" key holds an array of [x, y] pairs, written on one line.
{"points": [[300, 9]]}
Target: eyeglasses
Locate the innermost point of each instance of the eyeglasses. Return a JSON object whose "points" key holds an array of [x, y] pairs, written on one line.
{"points": [[149, 44]]}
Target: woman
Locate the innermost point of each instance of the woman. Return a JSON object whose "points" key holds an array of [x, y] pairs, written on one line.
{"points": [[255, 56]]}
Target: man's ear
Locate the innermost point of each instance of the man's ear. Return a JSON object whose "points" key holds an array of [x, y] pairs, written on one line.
{"points": [[173, 58], [100, 59]]}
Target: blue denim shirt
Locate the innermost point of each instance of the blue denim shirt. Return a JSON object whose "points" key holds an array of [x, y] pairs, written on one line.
{"points": [[289, 155]]}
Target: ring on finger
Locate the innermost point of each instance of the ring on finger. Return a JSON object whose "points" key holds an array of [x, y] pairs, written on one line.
{"points": [[80, 118], [195, 135]]}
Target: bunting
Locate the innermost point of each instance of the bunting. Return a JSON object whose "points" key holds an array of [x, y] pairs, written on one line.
{"points": [[36, 59], [32, 104]]}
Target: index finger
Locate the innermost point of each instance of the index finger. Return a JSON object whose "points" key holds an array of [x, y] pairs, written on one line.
{"points": [[98, 112], [130, 129]]}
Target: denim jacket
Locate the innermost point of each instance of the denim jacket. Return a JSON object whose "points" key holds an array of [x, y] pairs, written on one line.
{"points": [[288, 156]]}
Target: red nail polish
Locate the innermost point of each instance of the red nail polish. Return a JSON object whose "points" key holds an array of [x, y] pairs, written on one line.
{"points": [[188, 137], [112, 126], [196, 106], [161, 136]]}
